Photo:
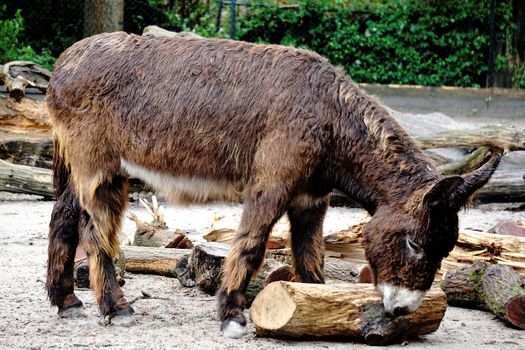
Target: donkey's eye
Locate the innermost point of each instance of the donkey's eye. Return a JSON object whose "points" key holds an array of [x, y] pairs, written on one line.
{"points": [[413, 245]]}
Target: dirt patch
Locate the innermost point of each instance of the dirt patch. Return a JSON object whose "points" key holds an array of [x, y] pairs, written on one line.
{"points": [[174, 316]]}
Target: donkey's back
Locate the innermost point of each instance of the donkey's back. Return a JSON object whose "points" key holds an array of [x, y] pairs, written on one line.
{"points": [[195, 109]]}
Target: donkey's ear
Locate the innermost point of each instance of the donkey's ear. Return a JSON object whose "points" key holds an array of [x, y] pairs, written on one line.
{"points": [[475, 180], [443, 191]]}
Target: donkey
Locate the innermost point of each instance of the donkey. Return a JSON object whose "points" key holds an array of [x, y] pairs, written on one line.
{"points": [[278, 127]]}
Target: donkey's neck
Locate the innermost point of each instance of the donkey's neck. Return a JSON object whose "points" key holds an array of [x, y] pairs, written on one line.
{"points": [[379, 163]]}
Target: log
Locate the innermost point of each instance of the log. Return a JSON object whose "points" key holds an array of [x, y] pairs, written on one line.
{"points": [[469, 163], [475, 246], [26, 116], [271, 271], [510, 228], [156, 233], [202, 268], [205, 264], [149, 260], [27, 151], [495, 288], [335, 271], [16, 178], [354, 311], [493, 137], [16, 75]]}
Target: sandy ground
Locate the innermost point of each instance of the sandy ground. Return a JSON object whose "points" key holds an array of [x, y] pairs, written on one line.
{"points": [[176, 317]]}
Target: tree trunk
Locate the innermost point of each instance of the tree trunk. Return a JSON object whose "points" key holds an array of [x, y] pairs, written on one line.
{"points": [[103, 16], [355, 311], [496, 288]]}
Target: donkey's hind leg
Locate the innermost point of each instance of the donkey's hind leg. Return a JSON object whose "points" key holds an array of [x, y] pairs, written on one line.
{"points": [[63, 240], [100, 224], [306, 216]]}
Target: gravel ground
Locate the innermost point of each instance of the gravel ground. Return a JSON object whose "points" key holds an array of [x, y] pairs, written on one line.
{"points": [[176, 317]]}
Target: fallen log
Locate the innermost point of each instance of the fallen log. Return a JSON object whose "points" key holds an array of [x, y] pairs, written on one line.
{"points": [[35, 153], [16, 178], [475, 246], [202, 268], [150, 260], [16, 75], [469, 163], [26, 116], [354, 311], [495, 288], [496, 138]]}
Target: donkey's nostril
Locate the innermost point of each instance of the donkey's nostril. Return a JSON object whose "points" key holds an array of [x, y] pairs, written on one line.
{"points": [[400, 311]]}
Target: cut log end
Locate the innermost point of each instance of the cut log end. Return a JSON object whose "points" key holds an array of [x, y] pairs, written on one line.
{"points": [[515, 311], [275, 315]]}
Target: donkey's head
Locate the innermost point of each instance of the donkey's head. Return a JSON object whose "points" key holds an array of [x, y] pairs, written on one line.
{"points": [[405, 243]]}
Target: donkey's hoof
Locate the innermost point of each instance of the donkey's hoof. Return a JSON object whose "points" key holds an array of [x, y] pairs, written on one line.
{"points": [[122, 318], [232, 329], [72, 312]]}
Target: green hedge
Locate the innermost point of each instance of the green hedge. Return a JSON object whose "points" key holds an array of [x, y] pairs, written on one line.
{"points": [[400, 42]]}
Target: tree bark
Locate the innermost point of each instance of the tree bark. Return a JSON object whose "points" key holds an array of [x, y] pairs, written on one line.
{"points": [[103, 16], [205, 263], [495, 288], [355, 311]]}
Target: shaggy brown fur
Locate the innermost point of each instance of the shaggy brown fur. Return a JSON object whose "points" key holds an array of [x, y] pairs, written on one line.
{"points": [[218, 119]]}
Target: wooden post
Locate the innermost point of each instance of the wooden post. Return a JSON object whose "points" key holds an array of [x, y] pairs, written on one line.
{"points": [[233, 8], [219, 15]]}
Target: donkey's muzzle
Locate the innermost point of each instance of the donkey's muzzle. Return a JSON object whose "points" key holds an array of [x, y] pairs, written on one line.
{"points": [[398, 311]]}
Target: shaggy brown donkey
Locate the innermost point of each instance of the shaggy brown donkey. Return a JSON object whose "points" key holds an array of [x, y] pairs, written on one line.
{"points": [[223, 120]]}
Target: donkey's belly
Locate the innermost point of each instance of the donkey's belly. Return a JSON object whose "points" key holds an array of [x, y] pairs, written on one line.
{"points": [[184, 189]]}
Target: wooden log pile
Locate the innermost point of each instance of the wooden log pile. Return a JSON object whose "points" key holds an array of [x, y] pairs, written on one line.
{"points": [[340, 308]]}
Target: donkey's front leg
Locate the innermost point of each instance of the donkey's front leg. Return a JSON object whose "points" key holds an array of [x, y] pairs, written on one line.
{"points": [[262, 209]]}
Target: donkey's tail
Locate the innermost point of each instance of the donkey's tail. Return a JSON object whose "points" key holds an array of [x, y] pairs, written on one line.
{"points": [[61, 171]]}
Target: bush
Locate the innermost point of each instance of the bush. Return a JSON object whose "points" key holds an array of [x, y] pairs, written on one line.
{"points": [[11, 49], [401, 41]]}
